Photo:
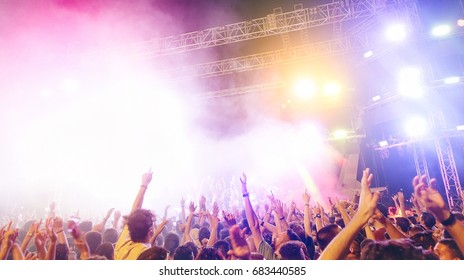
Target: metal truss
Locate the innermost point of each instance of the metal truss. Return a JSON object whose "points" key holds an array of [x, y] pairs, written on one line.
{"points": [[420, 160], [272, 24], [446, 161], [281, 83], [256, 88], [357, 38], [266, 59], [435, 84], [445, 156]]}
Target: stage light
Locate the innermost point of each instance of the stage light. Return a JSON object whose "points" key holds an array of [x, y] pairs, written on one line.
{"points": [[451, 80], [383, 143], [460, 22], [410, 82], [441, 30], [376, 98], [416, 126], [368, 54], [396, 33], [332, 89], [340, 134], [460, 127], [304, 88]]}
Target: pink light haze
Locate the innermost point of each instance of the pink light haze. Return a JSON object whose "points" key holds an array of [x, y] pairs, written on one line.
{"points": [[81, 130]]}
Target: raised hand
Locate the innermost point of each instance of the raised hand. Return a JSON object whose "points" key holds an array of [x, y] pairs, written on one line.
{"points": [[367, 199], [243, 180], [330, 201], [214, 216], [429, 197], [240, 248], [146, 178], [117, 215], [202, 203], [292, 207], [31, 232], [338, 204], [108, 214], [49, 229], [229, 218], [52, 206], [57, 224], [400, 196], [39, 240], [215, 209], [306, 197], [9, 237], [32, 229], [338, 247], [317, 209], [182, 202], [2, 233], [192, 207], [271, 198], [166, 211], [279, 208], [161, 227]]}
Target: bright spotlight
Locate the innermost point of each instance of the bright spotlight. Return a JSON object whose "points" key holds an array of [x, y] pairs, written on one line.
{"points": [[304, 88], [460, 127], [441, 30], [368, 54], [332, 89], [452, 80], [460, 22], [396, 33], [383, 143], [340, 134], [376, 98], [416, 126], [410, 82]]}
